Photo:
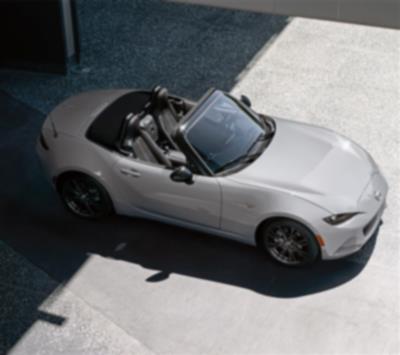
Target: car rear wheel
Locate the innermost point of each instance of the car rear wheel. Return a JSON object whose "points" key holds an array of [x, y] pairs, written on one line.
{"points": [[85, 197], [289, 243]]}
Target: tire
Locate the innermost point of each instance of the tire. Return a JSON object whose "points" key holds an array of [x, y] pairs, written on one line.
{"points": [[289, 243], [85, 197]]}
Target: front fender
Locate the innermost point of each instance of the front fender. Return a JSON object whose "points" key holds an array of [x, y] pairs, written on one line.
{"points": [[245, 207]]}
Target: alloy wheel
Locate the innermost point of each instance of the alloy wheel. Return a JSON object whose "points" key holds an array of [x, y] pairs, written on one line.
{"points": [[84, 197], [288, 244]]}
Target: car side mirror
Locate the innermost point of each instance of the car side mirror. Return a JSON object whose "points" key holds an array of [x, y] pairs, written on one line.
{"points": [[245, 100], [182, 174]]}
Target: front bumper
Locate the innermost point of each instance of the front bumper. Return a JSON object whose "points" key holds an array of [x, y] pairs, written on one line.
{"points": [[348, 238]]}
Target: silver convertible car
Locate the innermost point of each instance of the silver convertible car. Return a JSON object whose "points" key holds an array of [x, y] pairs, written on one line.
{"points": [[297, 191]]}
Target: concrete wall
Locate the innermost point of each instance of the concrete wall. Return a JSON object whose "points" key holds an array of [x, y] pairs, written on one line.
{"points": [[385, 13]]}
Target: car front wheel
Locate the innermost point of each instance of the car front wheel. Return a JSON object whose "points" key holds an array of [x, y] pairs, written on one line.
{"points": [[85, 197], [289, 243]]}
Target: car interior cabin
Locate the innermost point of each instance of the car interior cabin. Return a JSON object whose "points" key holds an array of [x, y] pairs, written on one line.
{"points": [[143, 124]]}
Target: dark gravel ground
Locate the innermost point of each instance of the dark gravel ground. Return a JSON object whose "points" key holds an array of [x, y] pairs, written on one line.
{"points": [[142, 43]]}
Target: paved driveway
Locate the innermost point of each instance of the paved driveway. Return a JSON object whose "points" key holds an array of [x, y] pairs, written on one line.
{"points": [[167, 290]]}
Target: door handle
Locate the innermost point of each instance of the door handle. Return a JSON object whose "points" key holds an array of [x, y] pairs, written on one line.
{"points": [[130, 172]]}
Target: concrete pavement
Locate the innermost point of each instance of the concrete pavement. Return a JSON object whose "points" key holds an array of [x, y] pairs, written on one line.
{"points": [[173, 291]]}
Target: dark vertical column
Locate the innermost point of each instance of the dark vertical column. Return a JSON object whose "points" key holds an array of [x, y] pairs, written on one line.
{"points": [[75, 23]]}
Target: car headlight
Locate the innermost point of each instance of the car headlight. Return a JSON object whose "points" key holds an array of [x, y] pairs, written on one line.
{"points": [[340, 218]]}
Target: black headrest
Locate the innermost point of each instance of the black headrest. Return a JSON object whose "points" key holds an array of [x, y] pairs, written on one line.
{"points": [[159, 96], [155, 89], [162, 94]]}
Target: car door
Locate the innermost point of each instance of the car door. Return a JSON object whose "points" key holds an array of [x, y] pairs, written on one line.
{"points": [[149, 188]]}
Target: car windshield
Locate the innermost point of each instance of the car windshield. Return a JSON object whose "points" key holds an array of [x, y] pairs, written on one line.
{"points": [[222, 132]]}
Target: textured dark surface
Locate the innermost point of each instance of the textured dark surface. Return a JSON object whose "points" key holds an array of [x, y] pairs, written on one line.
{"points": [[19, 128], [141, 43], [22, 290]]}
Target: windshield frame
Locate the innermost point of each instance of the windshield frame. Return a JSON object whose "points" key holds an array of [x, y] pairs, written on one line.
{"points": [[190, 119]]}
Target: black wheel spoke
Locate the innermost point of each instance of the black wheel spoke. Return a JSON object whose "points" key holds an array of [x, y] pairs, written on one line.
{"points": [[300, 252], [299, 255], [76, 185]]}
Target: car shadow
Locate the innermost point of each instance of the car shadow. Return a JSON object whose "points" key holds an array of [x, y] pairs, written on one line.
{"points": [[59, 243], [35, 224]]}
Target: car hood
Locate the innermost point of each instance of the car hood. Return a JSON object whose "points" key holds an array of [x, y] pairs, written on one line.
{"points": [[313, 163], [76, 113]]}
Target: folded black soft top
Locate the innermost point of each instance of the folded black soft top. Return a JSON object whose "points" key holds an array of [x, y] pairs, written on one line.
{"points": [[105, 129]]}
